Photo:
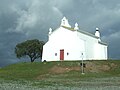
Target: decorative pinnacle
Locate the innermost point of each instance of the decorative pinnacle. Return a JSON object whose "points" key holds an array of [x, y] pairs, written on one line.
{"points": [[50, 30], [76, 26], [97, 29]]}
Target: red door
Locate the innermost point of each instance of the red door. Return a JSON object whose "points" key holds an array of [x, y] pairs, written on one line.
{"points": [[62, 54]]}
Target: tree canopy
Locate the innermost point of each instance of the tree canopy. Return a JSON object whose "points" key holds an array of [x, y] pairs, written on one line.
{"points": [[31, 48]]}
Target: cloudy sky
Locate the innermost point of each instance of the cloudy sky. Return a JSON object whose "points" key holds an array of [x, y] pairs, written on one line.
{"points": [[29, 19]]}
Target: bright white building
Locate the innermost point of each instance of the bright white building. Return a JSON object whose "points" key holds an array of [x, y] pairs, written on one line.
{"points": [[67, 43]]}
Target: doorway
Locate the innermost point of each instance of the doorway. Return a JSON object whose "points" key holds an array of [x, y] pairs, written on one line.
{"points": [[62, 54]]}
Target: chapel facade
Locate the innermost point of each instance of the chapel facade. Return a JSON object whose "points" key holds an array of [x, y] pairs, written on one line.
{"points": [[67, 43]]}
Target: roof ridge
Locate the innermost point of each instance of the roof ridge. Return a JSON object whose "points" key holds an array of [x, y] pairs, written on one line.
{"points": [[70, 28], [81, 31]]}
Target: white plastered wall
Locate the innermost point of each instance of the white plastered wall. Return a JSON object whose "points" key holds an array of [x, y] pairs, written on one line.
{"points": [[63, 39], [100, 52], [89, 45]]}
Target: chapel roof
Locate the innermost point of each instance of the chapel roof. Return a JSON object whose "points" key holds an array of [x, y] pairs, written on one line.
{"points": [[86, 33], [103, 43], [65, 24], [81, 31]]}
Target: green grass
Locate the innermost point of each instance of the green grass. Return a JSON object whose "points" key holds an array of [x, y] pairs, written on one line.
{"points": [[24, 70], [30, 71], [39, 74]]}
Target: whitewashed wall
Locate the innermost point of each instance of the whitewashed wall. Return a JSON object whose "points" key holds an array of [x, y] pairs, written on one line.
{"points": [[89, 45], [100, 52], [63, 39], [78, 45]]}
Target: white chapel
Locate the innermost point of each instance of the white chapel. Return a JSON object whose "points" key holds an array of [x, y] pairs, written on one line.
{"points": [[67, 43]]}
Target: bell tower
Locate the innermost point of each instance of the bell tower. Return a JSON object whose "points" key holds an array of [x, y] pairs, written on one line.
{"points": [[64, 22]]}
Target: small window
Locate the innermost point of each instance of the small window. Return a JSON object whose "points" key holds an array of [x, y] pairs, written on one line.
{"points": [[55, 54], [81, 53], [67, 53]]}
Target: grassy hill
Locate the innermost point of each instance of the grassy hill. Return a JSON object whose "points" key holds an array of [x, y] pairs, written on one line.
{"points": [[67, 73], [40, 70]]}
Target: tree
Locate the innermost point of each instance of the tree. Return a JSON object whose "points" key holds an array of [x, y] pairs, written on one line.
{"points": [[31, 48]]}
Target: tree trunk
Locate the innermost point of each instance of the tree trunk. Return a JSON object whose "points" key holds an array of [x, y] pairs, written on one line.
{"points": [[32, 60]]}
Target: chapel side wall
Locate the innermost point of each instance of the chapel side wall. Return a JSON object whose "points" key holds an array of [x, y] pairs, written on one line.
{"points": [[100, 52], [89, 45]]}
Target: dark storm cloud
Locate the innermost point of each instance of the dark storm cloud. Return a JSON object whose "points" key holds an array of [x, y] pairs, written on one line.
{"points": [[22, 20], [104, 14], [27, 19], [8, 41]]}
